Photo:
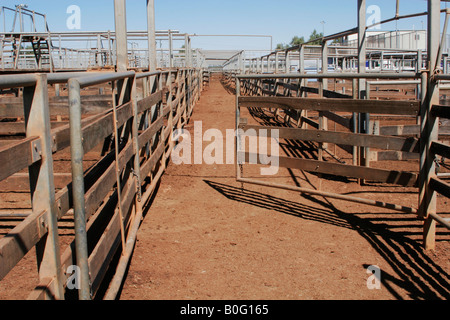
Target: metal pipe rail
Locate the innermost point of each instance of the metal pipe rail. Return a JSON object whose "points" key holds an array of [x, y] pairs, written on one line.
{"points": [[359, 29], [168, 102], [248, 85], [28, 80], [409, 75], [66, 56], [297, 104]]}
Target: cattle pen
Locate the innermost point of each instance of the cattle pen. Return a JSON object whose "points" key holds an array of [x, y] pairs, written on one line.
{"points": [[87, 138]]}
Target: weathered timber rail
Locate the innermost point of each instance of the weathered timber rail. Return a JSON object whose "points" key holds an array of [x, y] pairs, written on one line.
{"points": [[130, 134], [302, 114]]}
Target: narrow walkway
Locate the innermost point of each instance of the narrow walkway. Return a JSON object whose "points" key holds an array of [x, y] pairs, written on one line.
{"points": [[205, 238]]}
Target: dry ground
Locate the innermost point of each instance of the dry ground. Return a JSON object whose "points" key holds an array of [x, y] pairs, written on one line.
{"points": [[204, 237]]}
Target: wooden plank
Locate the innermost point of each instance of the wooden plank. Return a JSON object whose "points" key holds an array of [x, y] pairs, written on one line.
{"points": [[17, 156], [145, 137], [343, 138], [285, 85], [20, 182], [94, 133], [95, 185], [95, 129], [16, 244], [148, 166], [12, 128], [150, 101], [444, 130], [108, 244], [18, 128], [406, 179], [440, 187], [326, 93], [441, 111], [342, 105], [99, 190], [394, 156], [310, 122], [440, 149], [293, 114], [60, 99], [410, 130], [61, 135], [13, 107], [400, 130], [346, 123]]}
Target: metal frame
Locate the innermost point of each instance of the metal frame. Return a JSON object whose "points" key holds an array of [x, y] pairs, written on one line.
{"points": [[167, 105], [427, 82]]}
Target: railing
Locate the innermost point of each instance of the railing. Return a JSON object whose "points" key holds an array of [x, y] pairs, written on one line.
{"points": [[284, 98], [66, 52], [108, 198]]}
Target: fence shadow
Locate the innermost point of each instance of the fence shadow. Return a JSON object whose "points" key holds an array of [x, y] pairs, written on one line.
{"points": [[229, 85], [415, 271]]}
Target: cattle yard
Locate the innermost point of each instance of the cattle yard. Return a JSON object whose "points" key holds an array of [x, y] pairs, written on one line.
{"points": [[87, 135]]}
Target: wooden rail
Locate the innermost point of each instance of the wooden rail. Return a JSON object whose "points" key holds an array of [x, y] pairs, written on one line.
{"points": [[287, 102], [143, 129]]}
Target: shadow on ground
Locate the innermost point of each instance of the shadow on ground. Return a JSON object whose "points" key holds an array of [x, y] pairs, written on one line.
{"points": [[415, 270]]}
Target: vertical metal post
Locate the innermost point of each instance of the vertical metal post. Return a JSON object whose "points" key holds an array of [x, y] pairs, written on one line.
{"points": [[77, 154], [325, 63], [99, 51], [37, 119], [277, 61], [238, 136], [355, 121], [116, 151], [170, 49], [187, 51], [288, 62], [57, 90], [109, 49], [152, 62], [151, 29], [241, 63], [443, 40], [421, 88], [20, 19], [60, 53], [368, 129], [121, 35], [2, 43], [301, 51], [429, 129], [323, 85], [362, 69], [361, 45], [190, 54]]}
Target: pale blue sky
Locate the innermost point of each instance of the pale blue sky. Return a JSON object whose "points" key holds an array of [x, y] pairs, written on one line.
{"points": [[281, 18]]}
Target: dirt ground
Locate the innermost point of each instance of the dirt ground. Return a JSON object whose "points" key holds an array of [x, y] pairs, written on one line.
{"points": [[207, 238]]}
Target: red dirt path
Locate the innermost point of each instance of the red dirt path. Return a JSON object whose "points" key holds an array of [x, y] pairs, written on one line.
{"points": [[206, 238]]}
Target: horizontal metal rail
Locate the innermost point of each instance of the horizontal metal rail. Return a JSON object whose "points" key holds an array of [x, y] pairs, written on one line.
{"points": [[173, 99], [403, 75]]}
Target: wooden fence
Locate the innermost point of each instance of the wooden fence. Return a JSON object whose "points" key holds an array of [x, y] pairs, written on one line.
{"points": [[302, 113], [133, 130]]}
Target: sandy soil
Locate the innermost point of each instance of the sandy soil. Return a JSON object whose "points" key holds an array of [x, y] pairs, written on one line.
{"points": [[206, 237]]}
